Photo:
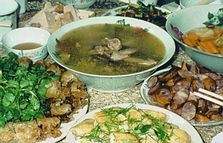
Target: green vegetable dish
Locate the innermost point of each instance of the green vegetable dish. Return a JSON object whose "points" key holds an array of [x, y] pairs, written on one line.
{"points": [[22, 90], [148, 13], [128, 125], [39, 93]]}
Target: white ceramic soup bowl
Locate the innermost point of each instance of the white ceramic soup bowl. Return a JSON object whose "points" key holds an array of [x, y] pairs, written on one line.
{"points": [[27, 35], [115, 82], [188, 19]]}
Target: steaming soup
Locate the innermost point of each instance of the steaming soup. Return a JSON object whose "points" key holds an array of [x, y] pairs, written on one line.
{"points": [[110, 49]]}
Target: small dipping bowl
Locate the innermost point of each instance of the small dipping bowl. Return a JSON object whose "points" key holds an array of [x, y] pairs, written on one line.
{"points": [[27, 42]]}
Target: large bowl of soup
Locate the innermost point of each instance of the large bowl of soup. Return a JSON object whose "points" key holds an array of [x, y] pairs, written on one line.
{"points": [[111, 53], [199, 31]]}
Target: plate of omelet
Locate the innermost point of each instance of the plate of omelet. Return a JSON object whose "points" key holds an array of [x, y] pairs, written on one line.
{"points": [[132, 123]]}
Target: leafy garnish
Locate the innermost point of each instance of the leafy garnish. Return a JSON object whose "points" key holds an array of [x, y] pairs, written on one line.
{"points": [[215, 19], [94, 134], [143, 128], [122, 22], [22, 90], [162, 129], [114, 112]]}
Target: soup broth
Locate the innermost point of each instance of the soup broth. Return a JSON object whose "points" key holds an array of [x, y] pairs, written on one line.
{"points": [[110, 49], [27, 46]]}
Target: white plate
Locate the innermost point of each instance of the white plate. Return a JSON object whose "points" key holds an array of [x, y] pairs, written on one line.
{"points": [[172, 118], [144, 94], [218, 138], [116, 11], [65, 127]]}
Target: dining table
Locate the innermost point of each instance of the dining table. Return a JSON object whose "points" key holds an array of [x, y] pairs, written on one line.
{"points": [[100, 99]]}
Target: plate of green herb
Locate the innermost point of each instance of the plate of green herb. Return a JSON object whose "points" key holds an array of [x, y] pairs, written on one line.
{"points": [[132, 122], [38, 101]]}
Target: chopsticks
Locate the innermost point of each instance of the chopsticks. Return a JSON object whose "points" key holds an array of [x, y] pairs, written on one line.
{"points": [[210, 96], [6, 24]]}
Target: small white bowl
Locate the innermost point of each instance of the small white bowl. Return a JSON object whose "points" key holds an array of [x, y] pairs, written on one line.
{"points": [[27, 35]]}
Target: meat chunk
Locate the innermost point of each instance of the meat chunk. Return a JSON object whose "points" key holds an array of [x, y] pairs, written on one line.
{"points": [[163, 96], [196, 84], [192, 98], [219, 83], [152, 82], [55, 69], [48, 123], [67, 77], [186, 74], [75, 86], [57, 110], [27, 132], [188, 111], [49, 127], [153, 89], [202, 106], [83, 128], [180, 97], [7, 134], [53, 89], [209, 84], [182, 84], [169, 75]]}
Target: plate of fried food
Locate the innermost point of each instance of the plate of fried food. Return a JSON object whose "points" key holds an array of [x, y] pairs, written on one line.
{"points": [[150, 13], [38, 101], [132, 122], [174, 89]]}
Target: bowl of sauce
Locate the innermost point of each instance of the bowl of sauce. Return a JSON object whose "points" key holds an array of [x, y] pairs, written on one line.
{"points": [[27, 42]]}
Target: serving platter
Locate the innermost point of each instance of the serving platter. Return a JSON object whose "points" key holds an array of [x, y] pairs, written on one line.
{"points": [[116, 11], [172, 118], [144, 94], [61, 108], [150, 13], [64, 128]]}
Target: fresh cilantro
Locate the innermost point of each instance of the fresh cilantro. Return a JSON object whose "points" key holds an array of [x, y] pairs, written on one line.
{"points": [[22, 90]]}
